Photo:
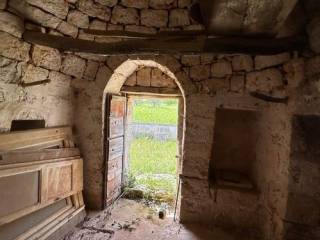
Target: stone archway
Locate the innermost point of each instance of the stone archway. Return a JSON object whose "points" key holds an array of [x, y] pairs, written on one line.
{"points": [[113, 87]]}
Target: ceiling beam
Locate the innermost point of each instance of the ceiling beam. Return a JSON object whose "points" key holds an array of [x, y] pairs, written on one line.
{"points": [[171, 45]]}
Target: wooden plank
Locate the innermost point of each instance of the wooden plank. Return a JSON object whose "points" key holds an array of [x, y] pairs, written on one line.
{"points": [[56, 181], [151, 91], [59, 180], [135, 35], [38, 227], [19, 191], [31, 138], [186, 44], [23, 156]]}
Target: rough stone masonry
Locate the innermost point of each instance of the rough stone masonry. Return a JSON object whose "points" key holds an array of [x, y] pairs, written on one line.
{"points": [[66, 88]]}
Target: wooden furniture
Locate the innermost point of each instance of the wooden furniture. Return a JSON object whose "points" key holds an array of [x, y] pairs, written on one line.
{"points": [[41, 175]]}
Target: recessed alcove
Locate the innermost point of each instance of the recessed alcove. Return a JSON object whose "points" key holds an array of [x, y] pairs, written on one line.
{"points": [[234, 148]]}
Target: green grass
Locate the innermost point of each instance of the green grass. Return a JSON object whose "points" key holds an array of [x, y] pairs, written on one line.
{"points": [[156, 111], [150, 156], [153, 164]]}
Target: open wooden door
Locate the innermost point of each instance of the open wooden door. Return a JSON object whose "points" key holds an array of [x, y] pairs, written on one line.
{"points": [[114, 146]]}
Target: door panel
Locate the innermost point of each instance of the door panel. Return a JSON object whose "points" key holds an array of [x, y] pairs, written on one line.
{"points": [[114, 143]]}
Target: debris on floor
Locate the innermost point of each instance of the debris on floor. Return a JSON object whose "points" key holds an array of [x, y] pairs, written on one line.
{"points": [[133, 220]]}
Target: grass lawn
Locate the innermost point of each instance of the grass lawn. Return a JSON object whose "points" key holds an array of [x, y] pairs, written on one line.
{"points": [[150, 156], [156, 111], [153, 164]]}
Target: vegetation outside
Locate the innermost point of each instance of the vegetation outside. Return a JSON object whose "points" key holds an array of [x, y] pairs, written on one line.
{"points": [[153, 162]]}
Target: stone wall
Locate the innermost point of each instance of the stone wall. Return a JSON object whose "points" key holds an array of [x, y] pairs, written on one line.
{"points": [[67, 88]]}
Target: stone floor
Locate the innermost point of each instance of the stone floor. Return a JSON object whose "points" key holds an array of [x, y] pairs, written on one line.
{"points": [[132, 220]]}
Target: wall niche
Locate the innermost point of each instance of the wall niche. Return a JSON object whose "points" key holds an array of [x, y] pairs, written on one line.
{"points": [[234, 149]]}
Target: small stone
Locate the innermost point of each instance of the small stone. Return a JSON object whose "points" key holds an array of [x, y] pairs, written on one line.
{"points": [[122, 15], [115, 61], [294, 70], [103, 76], [98, 25], [68, 29], [201, 72], [135, 4], [190, 60], [35, 74], [184, 3], [131, 80], [35, 14], [154, 18], [11, 24], [157, 78], [242, 63], [214, 85], [271, 60], [140, 29], [46, 57], [221, 69], [265, 80], [78, 19], [169, 61], [58, 8], [94, 10], [108, 3], [59, 85], [13, 48], [73, 66], [313, 30], [206, 58], [144, 77], [161, 4], [91, 70], [237, 83], [10, 70], [179, 18]]}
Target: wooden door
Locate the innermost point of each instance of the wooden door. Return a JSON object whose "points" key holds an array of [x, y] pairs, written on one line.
{"points": [[114, 146]]}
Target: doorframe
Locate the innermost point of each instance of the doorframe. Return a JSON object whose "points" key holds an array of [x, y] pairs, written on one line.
{"points": [[180, 132]]}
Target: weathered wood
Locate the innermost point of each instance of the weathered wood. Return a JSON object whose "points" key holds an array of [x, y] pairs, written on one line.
{"points": [[37, 138], [151, 91], [135, 35], [55, 181], [24, 156], [171, 45]]}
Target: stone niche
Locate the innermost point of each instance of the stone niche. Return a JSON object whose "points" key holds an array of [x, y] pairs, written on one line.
{"points": [[234, 149]]}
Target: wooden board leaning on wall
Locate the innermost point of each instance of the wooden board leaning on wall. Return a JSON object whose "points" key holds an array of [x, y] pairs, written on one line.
{"points": [[38, 168]]}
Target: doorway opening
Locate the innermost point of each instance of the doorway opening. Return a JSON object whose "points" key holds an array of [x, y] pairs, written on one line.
{"points": [[152, 147]]}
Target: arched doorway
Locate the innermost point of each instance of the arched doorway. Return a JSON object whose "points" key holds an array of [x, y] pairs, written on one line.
{"points": [[114, 108]]}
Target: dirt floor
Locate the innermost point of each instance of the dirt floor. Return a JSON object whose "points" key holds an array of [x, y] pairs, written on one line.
{"points": [[132, 220]]}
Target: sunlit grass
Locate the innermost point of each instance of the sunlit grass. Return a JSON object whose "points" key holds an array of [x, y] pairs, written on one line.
{"points": [[156, 111], [153, 162]]}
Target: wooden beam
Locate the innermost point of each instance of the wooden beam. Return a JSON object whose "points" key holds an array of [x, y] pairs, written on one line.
{"points": [[151, 91], [135, 35], [171, 45]]}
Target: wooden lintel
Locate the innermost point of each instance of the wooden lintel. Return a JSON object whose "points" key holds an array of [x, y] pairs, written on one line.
{"points": [[151, 91], [171, 45], [129, 34]]}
